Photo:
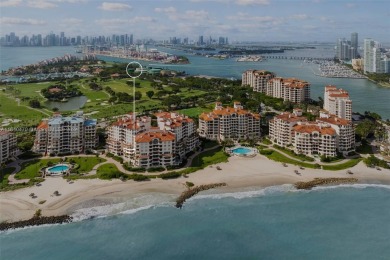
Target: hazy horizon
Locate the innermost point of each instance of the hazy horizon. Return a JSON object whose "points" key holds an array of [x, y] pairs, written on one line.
{"points": [[239, 20]]}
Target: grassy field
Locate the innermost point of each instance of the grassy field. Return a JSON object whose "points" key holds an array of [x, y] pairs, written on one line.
{"points": [[194, 111], [108, 171], [86, 163], [292, 154], [276, 156], [210, 157], [10, 110], [30, 169], [342, 166], [4, 173]]}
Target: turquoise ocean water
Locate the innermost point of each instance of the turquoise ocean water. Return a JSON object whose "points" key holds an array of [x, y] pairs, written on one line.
{"points": [[345, 222]]}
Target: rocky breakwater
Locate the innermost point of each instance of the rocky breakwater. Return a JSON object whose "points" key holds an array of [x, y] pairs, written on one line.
{"points": [[193, 191], [323, 181], [35, 221]]}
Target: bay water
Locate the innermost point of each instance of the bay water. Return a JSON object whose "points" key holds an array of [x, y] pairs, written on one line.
{"points": [[366, 95]]}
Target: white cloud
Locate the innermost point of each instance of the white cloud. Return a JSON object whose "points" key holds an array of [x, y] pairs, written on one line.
{"points": [[72, 21], [170, 9], [8, 3], [72, 1], [20, 21], [262, 19], [191, 15], [252, 2], [300, 16], [119, 21], [41, 4], [238, 2], [107, 6]]}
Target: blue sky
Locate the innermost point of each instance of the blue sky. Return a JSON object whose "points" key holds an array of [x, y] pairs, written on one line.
{"points": [[250, 20]]}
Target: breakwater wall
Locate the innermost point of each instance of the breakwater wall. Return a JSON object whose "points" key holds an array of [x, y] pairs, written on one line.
{"points": [[35, 221], [323, 181], [193, 191]]}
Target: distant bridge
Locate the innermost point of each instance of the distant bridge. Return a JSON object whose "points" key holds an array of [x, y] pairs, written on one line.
{"points": [[295, 58]]}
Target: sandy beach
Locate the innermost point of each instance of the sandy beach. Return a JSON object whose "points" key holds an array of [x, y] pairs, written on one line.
{"points": [[238, 174]]}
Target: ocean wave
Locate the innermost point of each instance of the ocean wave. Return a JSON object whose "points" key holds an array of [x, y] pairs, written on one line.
{"points": [[130, 206], [248, 194], [279, 189], [10, 231]]}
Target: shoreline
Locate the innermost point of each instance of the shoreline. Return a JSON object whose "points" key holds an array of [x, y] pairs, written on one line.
{"points": [[239, 174]]}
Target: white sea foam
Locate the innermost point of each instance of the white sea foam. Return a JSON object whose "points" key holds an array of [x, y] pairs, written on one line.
{"points": [[285, 188], [248, 194], [128, 207]]}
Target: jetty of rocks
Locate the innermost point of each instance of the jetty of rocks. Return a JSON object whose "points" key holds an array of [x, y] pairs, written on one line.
{"points": [[323, 181], [36, 221], [193, 191]]}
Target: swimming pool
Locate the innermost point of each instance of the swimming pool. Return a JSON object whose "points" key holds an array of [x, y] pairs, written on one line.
{"points": [[241, 150], [58, 169]]}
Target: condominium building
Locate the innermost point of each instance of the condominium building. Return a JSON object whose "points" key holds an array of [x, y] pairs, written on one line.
{"points": [[229, 123], [281, 127], [314, 138], [257, 79], [290, 89], [372, 57], [121, 134], [184, 128], [326, 136], [345, 141], [8, 146], [143, 145], [337, 102], [154, 149], [71, 134]]}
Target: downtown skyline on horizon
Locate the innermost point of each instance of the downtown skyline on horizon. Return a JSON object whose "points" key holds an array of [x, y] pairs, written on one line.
{"points": [[239, 20]]}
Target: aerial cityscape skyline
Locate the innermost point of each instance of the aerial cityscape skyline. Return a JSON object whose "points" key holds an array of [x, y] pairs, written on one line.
{"points": [[243, 20]]}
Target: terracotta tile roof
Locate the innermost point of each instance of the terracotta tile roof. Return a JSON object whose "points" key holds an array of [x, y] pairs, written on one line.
{"points": [[289, 117], [332, 119], [310, 128], [3, 132], [149, 136], [43, 125]]}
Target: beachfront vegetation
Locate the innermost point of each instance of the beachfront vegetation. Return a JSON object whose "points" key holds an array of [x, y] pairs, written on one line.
{"points": [[342, 166], [109, 171], [373, 161], [209, 157], [293, 154]]}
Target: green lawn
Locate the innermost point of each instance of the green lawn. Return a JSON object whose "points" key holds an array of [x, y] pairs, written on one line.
{"points": [[210, 157], [292, 154], [10, 110], [194, 111], [276, 156], [108, 171], [342, 166], [4, 173], [31, 168], [86, 163]]}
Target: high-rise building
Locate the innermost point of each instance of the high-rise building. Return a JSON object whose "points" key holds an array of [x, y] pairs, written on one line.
{"points": [[290, 89], [229, 123], [71, 134], [326, 136], [337, 102], [354, 40], [200, 41], [147, 146], [347, 50], [8, 146], [257, 79], [372, 57]]}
